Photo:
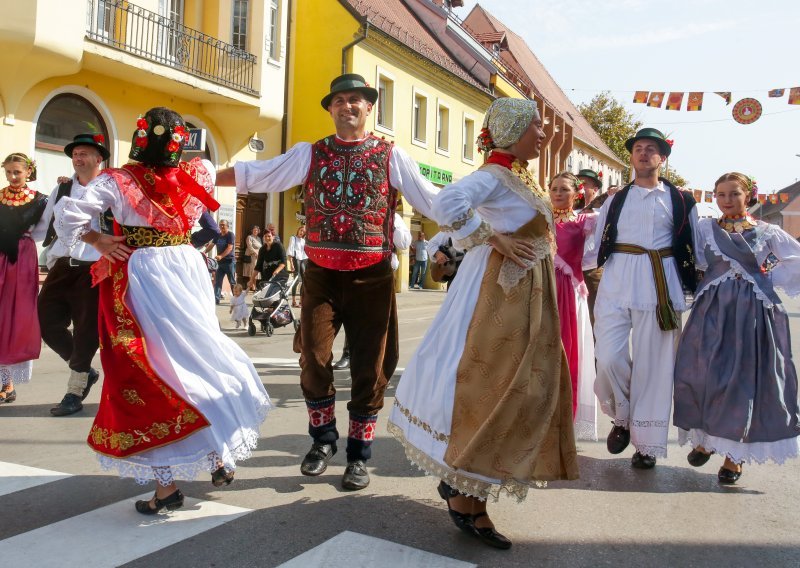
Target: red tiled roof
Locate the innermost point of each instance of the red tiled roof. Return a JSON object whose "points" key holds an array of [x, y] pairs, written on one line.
{"points": [[522, 61], [490, 37], [394, 19]]}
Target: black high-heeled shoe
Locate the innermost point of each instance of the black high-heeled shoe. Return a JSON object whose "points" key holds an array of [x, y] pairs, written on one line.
{"points": [[221, 477], [462, 520], [727, 476], [171, 502], [489, 535]]}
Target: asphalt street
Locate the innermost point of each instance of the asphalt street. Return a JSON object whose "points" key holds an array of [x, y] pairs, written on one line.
{"points": [[59, 508]]}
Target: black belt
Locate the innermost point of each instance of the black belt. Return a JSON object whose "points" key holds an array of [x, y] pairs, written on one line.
{"points": [[74, 262]]}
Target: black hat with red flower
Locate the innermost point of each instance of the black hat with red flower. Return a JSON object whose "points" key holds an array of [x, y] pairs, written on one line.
{"points": [[94, 140], [159, 138]]}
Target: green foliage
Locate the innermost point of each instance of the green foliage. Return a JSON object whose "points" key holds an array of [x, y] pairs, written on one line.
{"points": [[615, 125], [673, 176]]}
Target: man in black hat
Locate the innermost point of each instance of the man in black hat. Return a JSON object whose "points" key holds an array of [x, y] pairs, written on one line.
{"points": [[351, 183], [645, 241], [592, 183], [67, 296]]}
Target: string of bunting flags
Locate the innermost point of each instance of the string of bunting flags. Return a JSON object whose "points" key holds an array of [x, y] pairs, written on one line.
{"points": [[745, 111], [708, 197]]}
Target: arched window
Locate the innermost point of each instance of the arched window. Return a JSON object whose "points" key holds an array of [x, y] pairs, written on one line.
{"points": [[63, 118]]}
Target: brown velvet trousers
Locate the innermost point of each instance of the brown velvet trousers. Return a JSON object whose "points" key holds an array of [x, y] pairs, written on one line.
{"points": [[362, 301]]}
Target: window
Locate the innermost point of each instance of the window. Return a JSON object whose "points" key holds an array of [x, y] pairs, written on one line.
{"points": [[173, 40], [569, 163], [419, 127], [104, 19], [239, 25], [385, 115], [273, 45], [443, 128], [469, 139]]}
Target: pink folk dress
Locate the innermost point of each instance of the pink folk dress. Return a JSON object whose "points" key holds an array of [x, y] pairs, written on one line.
{"points": [[573, 309]]}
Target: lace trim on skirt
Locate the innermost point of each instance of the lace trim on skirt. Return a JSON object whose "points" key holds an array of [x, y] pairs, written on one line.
{"points": [[739, 452], [17, 373], [462, 482]]}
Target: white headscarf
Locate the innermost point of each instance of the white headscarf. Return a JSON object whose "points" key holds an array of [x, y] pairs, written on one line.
{"points": [[508, 119]]}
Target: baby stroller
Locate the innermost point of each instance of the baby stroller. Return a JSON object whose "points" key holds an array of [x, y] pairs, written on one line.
{"points": [[271, 305]]}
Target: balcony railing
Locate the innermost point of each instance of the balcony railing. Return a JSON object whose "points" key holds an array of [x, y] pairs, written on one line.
{"points": [[127, 27]]}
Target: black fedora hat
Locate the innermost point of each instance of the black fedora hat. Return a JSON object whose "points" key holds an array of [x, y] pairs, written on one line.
{"points": [[350, 82], [93, 140], [590, 174], [651, 134]]}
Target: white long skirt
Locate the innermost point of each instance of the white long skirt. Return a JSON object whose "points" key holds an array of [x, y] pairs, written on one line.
{"points": [[586, 412], [171, 296]]}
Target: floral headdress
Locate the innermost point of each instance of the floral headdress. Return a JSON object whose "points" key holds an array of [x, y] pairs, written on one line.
{"points": [[505, 122], [159, 138]]}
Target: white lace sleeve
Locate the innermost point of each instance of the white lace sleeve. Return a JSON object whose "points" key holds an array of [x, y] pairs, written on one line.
{"points": [[455, 209], [278, 174], [786, 274], [404, 175], [73, 217], [592, 245]]}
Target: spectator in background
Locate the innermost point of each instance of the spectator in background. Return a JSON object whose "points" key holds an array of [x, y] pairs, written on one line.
{"points": [[298, 259], [226, 259], [420, 262], [271, 229], [252, 244]]}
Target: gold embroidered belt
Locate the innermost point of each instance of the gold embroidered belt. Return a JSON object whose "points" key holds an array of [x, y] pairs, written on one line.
{"points": [[149, 237], [665, 312]]}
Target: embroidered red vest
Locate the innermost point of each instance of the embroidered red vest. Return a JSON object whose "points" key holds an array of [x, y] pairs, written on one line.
{"points": [[349, 203]]}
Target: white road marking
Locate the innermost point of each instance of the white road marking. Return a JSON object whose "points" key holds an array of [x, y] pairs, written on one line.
{"points": [[15, 477], [113, 535], [290, 363], [361, 551]]}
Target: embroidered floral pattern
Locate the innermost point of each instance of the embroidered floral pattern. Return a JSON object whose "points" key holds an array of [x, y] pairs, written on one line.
{"points": [[321, 412], [438, 436], [132, 397], [149, 237], [476, 238], [123, 441], [362, 428], [458, 223]]}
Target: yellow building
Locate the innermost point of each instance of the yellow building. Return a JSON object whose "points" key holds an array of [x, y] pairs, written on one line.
{"points": [[73, 66], [428, 103]]}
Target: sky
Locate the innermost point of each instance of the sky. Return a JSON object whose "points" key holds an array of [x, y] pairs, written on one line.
{"points": [[622, 46]]}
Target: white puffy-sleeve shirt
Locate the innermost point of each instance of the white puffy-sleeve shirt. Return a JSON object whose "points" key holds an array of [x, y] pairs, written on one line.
{"points": [[74, 216], [471, 208], [58, 248], [646, 221], [291, 169]]}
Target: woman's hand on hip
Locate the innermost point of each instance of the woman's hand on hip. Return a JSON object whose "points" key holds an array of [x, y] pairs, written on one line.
{"points": [[517, 249]]}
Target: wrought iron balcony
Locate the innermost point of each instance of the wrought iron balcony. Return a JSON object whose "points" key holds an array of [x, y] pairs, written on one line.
{"points": [[127, 27]]}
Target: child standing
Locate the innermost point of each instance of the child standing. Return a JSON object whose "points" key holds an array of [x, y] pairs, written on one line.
{"points": [[238, 308], [735, 381]]}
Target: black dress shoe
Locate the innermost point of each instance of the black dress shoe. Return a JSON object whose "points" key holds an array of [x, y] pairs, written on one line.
{"points": [[697, 458], [93, 378], [462, 520], [170, 502], [618, 439], [317, 458], [70, 404], [642, 461], [221, 477], [728, 477], [355, 476], [489, 535], [343, 363]]}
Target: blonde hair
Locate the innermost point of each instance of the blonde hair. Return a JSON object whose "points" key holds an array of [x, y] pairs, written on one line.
{"points": [[21, 158], [238, 287], [743, 181]]}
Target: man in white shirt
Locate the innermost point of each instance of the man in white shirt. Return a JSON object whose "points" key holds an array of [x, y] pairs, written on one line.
{"points": [[645, 241], [67, 296], [351, 182]]}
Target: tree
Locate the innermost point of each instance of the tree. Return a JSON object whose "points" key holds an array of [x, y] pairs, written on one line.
{"points": [[615, 125], [674, 177]]}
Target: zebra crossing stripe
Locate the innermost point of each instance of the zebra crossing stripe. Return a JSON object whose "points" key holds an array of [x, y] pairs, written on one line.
{"points": [[362, 551], [113, 535], [15, 477]]}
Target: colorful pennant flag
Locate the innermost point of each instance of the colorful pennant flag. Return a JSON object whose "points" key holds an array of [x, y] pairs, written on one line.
{"points": [[773, 198], [656, 99], [776, 93], [794, 96], [784, 197], [698, 195], [725, 95], [762, 198], [695, 102], [674, 101], [640, 96], [709, 196]]}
